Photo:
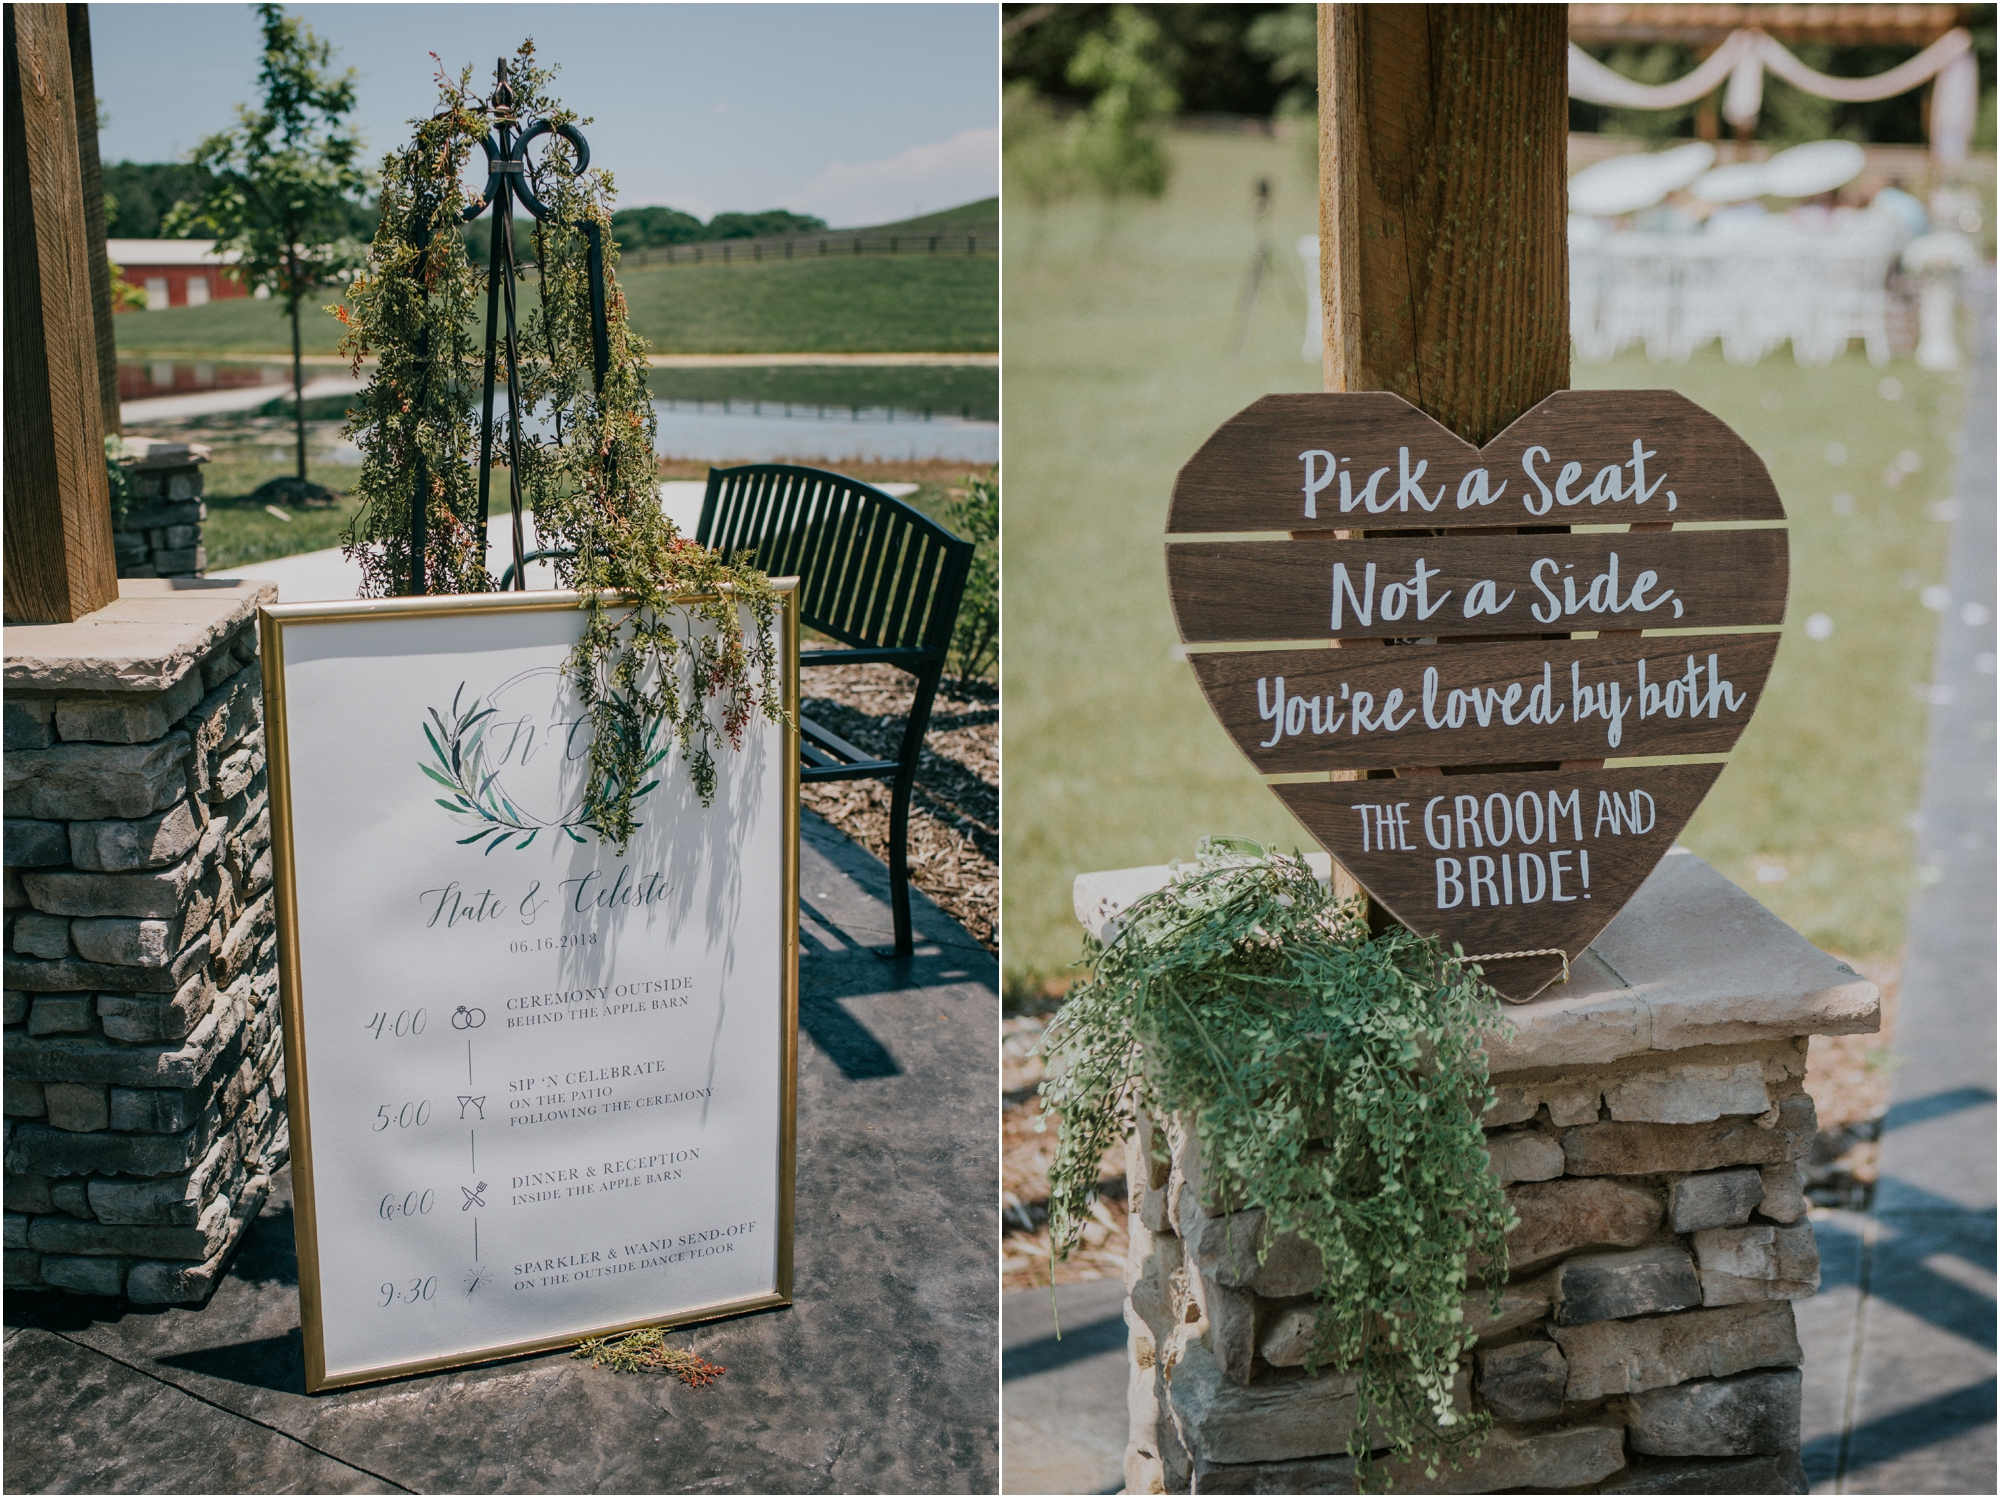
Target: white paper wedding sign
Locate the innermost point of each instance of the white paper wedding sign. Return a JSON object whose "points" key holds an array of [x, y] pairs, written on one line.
{"points": [[538, 1089]]}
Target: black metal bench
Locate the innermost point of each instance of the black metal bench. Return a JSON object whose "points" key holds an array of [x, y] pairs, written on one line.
{"points": [[875, 574]]}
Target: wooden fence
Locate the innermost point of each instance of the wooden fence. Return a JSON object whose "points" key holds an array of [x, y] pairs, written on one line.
{"points": [[983, 240]]}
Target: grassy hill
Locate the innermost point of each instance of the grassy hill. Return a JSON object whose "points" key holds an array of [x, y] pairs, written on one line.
{"points": [[859, 304], [864, 304], [966, 216]]}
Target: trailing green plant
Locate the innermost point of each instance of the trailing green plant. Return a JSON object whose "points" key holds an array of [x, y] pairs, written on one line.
{"points": [[665, 642], [974, 512], [413, 309], [1333, 1078]]}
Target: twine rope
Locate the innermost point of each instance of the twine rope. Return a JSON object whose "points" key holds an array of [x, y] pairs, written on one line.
{"points": [[1532, 952]]}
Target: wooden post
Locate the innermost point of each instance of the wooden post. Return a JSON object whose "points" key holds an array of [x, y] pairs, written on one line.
{"points": [[1443, 239], [83, 87], [59, 560], [1444, 257]]}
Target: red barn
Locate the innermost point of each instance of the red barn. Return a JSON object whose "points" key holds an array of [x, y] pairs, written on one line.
{"points": [[176, 272]]}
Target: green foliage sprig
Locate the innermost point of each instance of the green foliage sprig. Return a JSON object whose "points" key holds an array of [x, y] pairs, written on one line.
{"points": [[414, 309], [1334, 1079], [646, 1351], [594, 487], [665, 643], [478, 800], [117, 480], [975, 640]]}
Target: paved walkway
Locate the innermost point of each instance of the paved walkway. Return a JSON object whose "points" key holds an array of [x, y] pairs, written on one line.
{"points": [[314, 576], [1064, 1398], [241, 398], [1900, 1343], [879, 1378]]}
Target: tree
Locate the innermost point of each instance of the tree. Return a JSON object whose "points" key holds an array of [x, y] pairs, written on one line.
{"points": [[1117, 142], [284, 182], [641, 228]]}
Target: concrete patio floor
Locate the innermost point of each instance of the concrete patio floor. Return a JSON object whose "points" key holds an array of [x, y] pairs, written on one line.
{"points": [[881, 1377]]}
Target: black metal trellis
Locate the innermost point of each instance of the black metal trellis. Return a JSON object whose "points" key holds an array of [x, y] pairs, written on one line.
{"points": [[507, 182]]}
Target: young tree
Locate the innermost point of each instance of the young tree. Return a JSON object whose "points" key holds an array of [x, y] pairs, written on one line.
{"points": [[283, 181]]}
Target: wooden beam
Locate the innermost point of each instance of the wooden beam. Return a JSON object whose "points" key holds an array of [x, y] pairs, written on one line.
{"points": [[83, 87], [1706, 25], [1444, 251], [59, 561], [1444, 259]]}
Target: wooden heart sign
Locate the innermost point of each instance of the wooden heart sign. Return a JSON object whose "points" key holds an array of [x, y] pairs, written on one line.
{"points": [[1485, 628]]}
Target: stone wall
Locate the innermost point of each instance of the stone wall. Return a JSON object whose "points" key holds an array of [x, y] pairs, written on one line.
{"points": [[1650, 1137], [144, 1075], [160, 533]]}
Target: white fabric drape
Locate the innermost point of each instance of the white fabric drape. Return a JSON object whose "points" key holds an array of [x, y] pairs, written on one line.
{"points": [[1745, 56], [1594, 83]]}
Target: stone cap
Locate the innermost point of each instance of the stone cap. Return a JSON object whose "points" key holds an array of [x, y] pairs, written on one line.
{"points": [[1691, 960], [145, 642], [153, 452]]}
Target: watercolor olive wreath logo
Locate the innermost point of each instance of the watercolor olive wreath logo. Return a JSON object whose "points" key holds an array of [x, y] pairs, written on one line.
{"points": [[475, 743]]}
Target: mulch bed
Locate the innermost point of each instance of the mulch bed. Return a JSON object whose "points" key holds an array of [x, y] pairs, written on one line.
{"points": [[955, 808], [1026, 1149]]}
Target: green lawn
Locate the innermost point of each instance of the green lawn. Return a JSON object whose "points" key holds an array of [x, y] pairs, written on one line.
{"points": [[240, 325], [239, 531], [1117, 334], [858, 304]]}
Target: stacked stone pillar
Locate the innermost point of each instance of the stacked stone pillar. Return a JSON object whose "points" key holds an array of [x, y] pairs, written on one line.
{"points": [[1650, 1126], [159, 534], [144, 1076]]}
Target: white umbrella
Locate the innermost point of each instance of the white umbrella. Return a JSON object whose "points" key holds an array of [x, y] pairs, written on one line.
{"points": [[1626, 184], [1809, 170]]}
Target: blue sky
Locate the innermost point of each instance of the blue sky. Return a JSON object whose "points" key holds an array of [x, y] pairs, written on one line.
{"points": [[858, 113]]}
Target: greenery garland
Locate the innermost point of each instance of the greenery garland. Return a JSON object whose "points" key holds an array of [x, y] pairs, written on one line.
{"points": [[665, 641], [1334, 1079]]}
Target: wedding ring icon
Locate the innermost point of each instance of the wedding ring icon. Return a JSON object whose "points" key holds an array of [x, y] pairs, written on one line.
{"points": [[463, 1018]]}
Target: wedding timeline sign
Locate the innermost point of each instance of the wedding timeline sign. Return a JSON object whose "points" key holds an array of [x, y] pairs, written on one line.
{"points": [[1469, 791], [539, 1088]]}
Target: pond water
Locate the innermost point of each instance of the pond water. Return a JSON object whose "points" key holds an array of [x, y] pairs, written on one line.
{"points": [[761, 430], [741, 414]]}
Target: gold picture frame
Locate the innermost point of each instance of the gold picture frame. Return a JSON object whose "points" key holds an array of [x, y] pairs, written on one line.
{"points": [[274, 622]]}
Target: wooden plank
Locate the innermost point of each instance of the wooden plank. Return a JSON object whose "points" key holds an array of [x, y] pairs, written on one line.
{"points": [[1513, 585], [83, 88], [1509, 862], [1443, 254], [1409, 140], [59, 561], [1292, 711], [1590, 457]]}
